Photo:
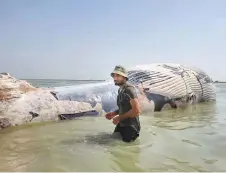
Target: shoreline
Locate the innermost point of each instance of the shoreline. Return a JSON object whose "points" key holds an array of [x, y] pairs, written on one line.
{"points": [[219, 82]]}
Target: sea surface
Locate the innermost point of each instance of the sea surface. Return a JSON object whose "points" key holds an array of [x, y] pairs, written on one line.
{"points": [[189, 139]]}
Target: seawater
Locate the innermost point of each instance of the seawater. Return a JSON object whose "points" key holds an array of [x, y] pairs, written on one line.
{"points": [[189, 139]]}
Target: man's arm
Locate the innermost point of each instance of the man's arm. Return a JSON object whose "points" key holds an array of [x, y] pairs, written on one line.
{"points": [[116, 112], [135, 111], [111, 115]]}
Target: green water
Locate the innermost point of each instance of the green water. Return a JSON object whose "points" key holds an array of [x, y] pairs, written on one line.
{"points": [[191, 139]]}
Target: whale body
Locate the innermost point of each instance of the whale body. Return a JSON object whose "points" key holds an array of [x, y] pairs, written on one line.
{"points": [[158, 86], [21, 103], [103, 93], [164, 85], [176, 83]]}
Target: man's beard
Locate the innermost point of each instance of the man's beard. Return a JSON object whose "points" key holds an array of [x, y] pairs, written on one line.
{"points": [[119, 83]]}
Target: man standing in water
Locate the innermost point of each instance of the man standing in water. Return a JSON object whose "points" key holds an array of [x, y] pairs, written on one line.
{"points": [[126, 118]]}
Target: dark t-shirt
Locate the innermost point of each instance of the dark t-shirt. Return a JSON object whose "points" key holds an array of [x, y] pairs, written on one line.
{"points": [[123, 101]]}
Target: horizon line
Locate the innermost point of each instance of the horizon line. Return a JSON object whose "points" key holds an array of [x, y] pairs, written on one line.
{"points": [[64, 79]]}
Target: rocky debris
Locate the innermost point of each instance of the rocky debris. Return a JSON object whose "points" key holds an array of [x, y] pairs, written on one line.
{"points": [[4, 122], [22, 103]]}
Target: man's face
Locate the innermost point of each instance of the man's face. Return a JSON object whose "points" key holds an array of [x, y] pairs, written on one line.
{"points": [[119, 80]]}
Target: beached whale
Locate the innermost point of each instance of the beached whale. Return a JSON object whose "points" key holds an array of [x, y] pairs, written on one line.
{"points": [[164, 85], [159, 87], [22, 103], [173, 83], [104, 93]]}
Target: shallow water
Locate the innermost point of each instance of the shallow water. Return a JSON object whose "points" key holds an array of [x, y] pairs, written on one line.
{"points": [[191, 139]]}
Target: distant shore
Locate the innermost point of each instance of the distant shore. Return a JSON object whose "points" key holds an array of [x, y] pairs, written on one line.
{"points": [[219, 81], [67, 79], [92, 80]]}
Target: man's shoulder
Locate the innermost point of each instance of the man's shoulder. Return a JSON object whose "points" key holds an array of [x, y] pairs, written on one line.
{"points": [[130, 87], [130, 90]]}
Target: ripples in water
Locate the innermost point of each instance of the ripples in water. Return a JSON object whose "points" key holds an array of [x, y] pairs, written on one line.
{"points": [[191, 139]]}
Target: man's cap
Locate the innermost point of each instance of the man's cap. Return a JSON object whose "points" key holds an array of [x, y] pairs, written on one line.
{"points": [[120, 70]]}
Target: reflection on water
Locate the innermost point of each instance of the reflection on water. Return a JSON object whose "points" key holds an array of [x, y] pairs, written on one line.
{"points": [[191, 139]]}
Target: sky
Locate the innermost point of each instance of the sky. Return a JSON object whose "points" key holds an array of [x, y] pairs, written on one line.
{"points": [[85, 39]]}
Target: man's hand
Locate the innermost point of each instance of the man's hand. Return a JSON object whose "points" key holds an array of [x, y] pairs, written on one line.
{"points": [[116, 120], [110, 115]]}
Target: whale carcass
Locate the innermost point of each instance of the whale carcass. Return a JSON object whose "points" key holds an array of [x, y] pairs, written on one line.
{"points": [[22, 103], [163, 85], [159, 86], [173, 83]]}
